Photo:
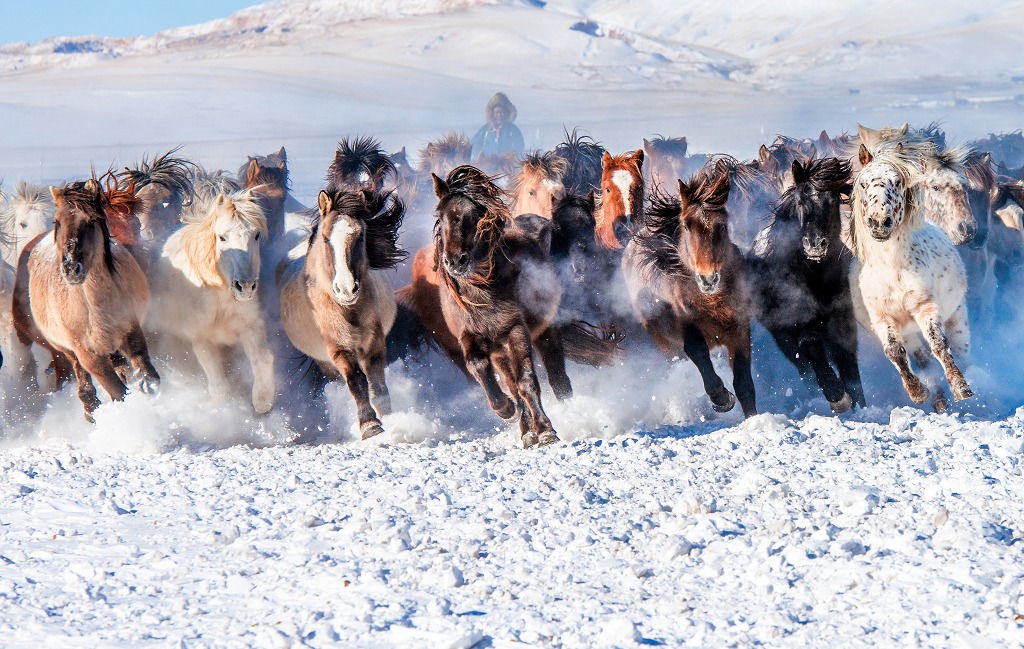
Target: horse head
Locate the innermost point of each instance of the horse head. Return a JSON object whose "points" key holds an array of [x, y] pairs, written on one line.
{"points": [[359, 163], [703, 244], [538, 184], [808, 212], [572, 236], [886, 194], [945, 195], [28, 213], [666, 161], [234, 225], [622, 197], [80, 230], [163, 186], [471, 217]]}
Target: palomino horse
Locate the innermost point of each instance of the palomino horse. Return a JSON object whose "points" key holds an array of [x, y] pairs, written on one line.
{"points": [[163, 186], [538, 184], [206, 281], [498, 295], [337, 306], [88, 296], [800, 273], [687, 284], [907, 278], [267, 178]]}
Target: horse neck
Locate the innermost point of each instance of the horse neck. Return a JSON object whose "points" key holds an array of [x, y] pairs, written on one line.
{"points": [[194, 251]]}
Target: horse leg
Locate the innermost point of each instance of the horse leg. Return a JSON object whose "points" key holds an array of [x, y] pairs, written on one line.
{"points": [[358, 386], [261, 360], [138, 352], [742, 377], [519, 372], [121, 366], [373, 366], [696, 348], [840, 334], [478, 362], [20, 353], [552, 354], [813, 347], [788, 341], [209, 356], [923, 359], [101, 368], [896, 352], [86, 390], [927, 319]]}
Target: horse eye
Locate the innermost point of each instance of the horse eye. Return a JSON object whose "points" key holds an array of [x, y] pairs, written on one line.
{"points": [[606, 190], [257, 236], [533, 193], [24, 226], [222, 238], [936, 187]]}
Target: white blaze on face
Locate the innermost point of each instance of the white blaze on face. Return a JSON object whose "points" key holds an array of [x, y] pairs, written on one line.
{"points": [[344, 282], [624, 181]]}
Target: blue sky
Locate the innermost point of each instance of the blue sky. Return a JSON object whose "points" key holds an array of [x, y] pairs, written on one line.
{"points": [[33, 21]]}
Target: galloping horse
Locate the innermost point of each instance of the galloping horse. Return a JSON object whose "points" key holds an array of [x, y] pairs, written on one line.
{"points": [[621, 198], [498, 296], [686, 282], [359, 163], [538, 184], [206, 281], [907, 279], [337, 306], [88, 296], [163, 186], [267, 177]]}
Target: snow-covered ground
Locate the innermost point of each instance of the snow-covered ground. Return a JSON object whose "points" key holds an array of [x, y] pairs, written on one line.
{"points": [[655, 522]]}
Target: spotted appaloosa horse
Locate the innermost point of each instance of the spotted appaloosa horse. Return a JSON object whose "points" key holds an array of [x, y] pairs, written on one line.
{"points": [[907, 279]]}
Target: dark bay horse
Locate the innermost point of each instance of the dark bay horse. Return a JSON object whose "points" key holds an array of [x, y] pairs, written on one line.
{"points": [[800, 270], [687, 284]]}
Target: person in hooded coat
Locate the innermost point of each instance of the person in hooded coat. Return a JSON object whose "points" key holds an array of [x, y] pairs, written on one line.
{"points": [[499, 135]]}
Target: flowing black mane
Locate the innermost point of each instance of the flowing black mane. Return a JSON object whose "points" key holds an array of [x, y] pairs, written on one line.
{"points": [[167, 170], [364, 153], [381, 213], [583, 157]]}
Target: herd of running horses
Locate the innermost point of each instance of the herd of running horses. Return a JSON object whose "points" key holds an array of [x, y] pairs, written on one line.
{"points": [[574, 253]]}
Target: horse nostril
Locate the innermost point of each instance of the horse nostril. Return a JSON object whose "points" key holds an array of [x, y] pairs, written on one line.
{"points": [[463, 260], [887, 223], [79, 270], [355, 287], [807, 242], [238, 286]]}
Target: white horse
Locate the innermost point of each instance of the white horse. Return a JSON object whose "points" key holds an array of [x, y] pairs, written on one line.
{"points": [[907, 278], [27, 213], [205, 284]]}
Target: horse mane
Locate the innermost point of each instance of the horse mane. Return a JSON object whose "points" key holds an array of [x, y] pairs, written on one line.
{"points": [[273, 170], [198, 239], [671, 146], [468, 182], [904, 159], [364, 152], [167, 170], [119, 206], [452, 147], [382, 215], [33, 197], [658, 240], [979, 170], [548, 165], [92, 205], [207, 184], [583, 159], [748, 179]]}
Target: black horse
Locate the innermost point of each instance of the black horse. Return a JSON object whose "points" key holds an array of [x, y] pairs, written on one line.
{"points": [[801, 276]]}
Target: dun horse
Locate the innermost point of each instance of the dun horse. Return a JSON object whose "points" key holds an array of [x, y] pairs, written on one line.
{"points": [[337, 306], [89, 295], [687, 284], [538, 184], [205, 283]]}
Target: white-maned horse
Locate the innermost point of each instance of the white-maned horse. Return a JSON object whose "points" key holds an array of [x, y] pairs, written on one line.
{"points": [[907, 278], [336, 305], [204, 288]]}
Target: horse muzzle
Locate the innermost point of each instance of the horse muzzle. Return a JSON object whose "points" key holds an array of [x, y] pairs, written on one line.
{"points": [[457, 266], [243, 291], [346, 297], [709, 284], [815, 250], [73, 271], [965, 233], [881, 230]]}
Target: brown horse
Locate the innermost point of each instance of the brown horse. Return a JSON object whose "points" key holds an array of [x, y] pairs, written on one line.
{"points": [[336, 304], [667, 162], [267, 177], [162, 186], [621, 199], [88, 296], [538, 184], [687, 287], [498, 295]]}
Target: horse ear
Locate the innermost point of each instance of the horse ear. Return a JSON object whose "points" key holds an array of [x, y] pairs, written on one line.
{"points": [[58, 195], [93, 187], [864, 154], [592, 198], [221, 201], [823, 138], [647, 146], [898, 148], [799, 173], [685, 195], [904, 129], [606, 158], [253, 171], [638, 155], [323, 201], [284, 157], [763, 154], [440, 187]]}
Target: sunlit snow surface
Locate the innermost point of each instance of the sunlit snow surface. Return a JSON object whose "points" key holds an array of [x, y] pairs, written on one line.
{"points": [[176, 522]]}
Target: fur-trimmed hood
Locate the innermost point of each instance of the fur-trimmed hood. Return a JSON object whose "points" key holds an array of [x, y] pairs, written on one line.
{"points": [[500, 99]]}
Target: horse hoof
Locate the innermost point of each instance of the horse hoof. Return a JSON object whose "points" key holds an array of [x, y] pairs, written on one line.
{"points": [[940, 403], [371, 429], [547, 437], [150, 386], [529, 440], [962, 391], [727, 406], [89, 418], [842, 405], [917, 393]]}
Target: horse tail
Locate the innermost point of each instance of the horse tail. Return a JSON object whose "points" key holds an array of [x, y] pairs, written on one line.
{"points": [[587, 344], [408, 335]]}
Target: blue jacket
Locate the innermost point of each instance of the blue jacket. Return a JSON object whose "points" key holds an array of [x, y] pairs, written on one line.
{"points": [[491, 141]]}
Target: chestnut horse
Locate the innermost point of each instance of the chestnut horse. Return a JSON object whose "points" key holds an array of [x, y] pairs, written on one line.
{"points": [[621, 199], [88, 296], [538, 184], [336, 304], [498, 296], [687, 287]]}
